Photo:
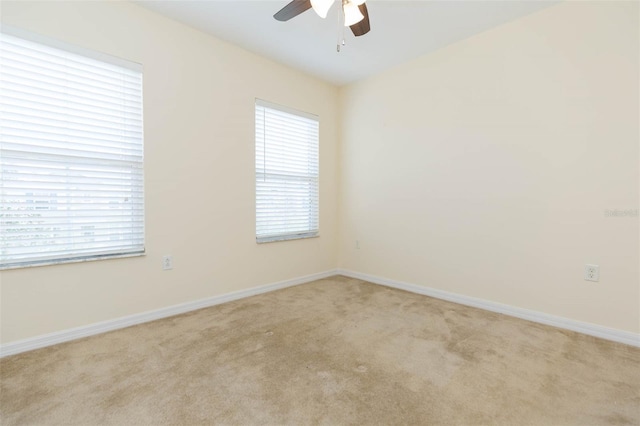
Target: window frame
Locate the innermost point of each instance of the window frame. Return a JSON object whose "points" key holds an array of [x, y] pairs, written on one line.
{"points": [[69, 257], [295, 235]]}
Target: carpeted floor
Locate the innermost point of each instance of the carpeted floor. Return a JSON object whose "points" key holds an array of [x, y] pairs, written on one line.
{"points": [[335, 351]]}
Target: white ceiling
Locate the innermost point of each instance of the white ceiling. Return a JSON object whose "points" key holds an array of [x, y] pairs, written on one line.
{"points": [[400, 30]]}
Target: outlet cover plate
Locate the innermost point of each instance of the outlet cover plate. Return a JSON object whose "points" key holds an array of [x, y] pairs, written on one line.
{"points": [[167, 262], [592, 272]]}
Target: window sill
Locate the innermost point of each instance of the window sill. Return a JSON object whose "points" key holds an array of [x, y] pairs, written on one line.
{"points": [[64, 261], [279, 238]]}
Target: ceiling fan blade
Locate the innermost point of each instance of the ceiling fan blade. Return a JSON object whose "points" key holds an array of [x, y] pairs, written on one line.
{"points": [[362, 27], [293, 9]]}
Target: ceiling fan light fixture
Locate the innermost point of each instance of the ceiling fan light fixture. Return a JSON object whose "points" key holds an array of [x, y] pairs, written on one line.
{"points": [[352, 14], [321, 7]]}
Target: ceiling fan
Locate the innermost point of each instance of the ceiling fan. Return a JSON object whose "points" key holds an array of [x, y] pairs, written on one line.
{"points": [[355, 12]]}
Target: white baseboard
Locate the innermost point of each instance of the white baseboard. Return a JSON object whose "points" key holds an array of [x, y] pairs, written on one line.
{"points": [[612, 334], [42, 341]]}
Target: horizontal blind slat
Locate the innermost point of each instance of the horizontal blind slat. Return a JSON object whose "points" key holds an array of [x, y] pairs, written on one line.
{"points": [[71, 155], [287, 167]]}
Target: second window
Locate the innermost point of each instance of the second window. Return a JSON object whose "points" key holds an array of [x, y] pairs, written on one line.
{"points": [[287, 173]]}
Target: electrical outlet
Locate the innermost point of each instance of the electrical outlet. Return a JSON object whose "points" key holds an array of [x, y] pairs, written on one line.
{"points": [[357, 244], [591, 272], [167, 262]]}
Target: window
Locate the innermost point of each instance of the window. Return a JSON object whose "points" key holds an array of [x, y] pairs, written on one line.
{"points": [[286, 173], [71, 154]]}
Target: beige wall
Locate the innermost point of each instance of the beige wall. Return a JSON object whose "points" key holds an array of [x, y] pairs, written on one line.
{"points": [[484, 169], [199, 173]]}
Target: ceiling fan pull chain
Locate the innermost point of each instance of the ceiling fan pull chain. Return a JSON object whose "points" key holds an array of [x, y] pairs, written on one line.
{"points": [[341, 40], [339, 24], [342, 28]]}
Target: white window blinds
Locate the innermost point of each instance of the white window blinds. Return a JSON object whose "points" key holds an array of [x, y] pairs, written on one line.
{"points": [[71, 155], [286, 173]]}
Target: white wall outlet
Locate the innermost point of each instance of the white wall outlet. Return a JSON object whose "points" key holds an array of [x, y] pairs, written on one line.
{"points": [[357, 244], [591, 272], [167, 262]]}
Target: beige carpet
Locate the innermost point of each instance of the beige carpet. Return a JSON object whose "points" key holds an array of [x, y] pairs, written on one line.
{"points": [[335, 351]]}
